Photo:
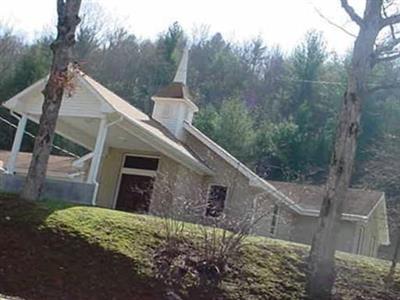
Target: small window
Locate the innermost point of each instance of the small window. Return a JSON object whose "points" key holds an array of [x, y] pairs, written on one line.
{"points": [[360, 240], [274, 220], [139, 162], [372, 246], [216, 200]]}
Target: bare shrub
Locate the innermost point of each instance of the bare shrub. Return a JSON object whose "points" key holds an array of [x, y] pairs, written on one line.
{"points": [[217, 246], [196, 258]]}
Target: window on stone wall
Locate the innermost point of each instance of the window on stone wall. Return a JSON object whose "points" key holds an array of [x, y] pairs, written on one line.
{"points": [[216, 200], [274, 220], [360, 240], [372, 245]]}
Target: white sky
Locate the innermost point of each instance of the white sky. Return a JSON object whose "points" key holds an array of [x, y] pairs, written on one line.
{"points": [[282, 22]]}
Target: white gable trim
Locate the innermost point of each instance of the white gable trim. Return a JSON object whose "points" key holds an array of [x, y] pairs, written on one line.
{"points": [[12, 103], [16, 104], [105, 107]]}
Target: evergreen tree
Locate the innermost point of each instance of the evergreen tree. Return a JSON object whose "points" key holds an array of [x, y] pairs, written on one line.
{"points": [[234, 130]]}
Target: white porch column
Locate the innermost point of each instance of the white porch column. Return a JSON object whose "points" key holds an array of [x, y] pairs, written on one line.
{"points": [[19, 134], [98, 151]]}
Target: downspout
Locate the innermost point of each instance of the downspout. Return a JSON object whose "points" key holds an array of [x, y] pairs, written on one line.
{"points": [[96, 184]]}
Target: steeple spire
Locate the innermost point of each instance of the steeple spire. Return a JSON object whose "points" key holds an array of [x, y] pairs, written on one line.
{"points": [[172, 104], [181, 73]]}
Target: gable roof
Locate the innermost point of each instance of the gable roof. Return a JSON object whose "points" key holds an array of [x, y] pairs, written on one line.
{"points": [[359, 202], [176, 90], [254, 179], [161, 135], [134, 122], [304, 200], [115, 101]]}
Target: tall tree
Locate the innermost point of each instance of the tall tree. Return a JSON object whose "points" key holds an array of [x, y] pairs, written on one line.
{"points": [[307, 61], [232, 127], [321, 273], [306, 101], [68, 20]]}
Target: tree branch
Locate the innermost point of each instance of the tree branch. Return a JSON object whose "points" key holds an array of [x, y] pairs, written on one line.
{"points": [[387, 58], [351, 12], [388, 46], [390, 20], [333, 23], [394, 85], [391, 25]]}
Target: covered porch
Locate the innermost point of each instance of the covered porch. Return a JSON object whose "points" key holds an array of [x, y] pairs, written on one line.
{"points": [[105, 139], [125, 147]]}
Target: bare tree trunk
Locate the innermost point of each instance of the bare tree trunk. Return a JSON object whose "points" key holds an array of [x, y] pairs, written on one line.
{"points": [[53, 93], [321, 265]]}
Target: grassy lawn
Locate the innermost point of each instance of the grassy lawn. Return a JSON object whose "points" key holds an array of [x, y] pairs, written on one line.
{"points": [[52, 250]]}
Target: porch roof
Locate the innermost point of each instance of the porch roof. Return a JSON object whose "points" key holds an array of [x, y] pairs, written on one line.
{"points": [[81, 113]]}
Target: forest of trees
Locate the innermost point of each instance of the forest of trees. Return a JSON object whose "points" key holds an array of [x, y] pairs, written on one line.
{"points": [[275, 110]]}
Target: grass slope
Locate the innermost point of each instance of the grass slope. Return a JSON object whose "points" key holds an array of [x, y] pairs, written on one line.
{"points": [[51, 250]]}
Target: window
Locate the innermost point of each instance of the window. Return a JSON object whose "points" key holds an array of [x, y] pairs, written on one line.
{"points": [[360, 240], [372, 245], [139, 162], [216, 200], [274, 220]]}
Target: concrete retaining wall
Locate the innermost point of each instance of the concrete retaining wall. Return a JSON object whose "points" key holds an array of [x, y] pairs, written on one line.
{"points": [[69, 191]]}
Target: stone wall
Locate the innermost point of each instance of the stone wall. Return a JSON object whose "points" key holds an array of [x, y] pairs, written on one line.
{"points": [[239, 204]]}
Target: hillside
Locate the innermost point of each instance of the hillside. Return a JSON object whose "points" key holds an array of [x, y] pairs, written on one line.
{"points": [[52, 250]]}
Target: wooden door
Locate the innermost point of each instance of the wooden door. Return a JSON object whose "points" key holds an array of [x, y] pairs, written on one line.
{"points": [[135, 193]]}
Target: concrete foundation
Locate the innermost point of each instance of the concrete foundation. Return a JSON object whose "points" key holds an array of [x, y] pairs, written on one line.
{"points": [[69, 191]]}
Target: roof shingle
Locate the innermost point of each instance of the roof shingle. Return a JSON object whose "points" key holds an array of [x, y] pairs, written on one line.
{"points": [[174, 90], [359, 202]]}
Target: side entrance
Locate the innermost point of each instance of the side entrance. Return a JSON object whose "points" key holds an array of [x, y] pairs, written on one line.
{"points": [[136, 183]]}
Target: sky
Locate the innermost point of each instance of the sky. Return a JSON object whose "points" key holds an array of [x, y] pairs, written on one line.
{"points": [[278, 22]]}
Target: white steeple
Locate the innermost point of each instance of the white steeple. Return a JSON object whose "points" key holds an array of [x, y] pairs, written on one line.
{"points": [[181, 73], [172, 104]]}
